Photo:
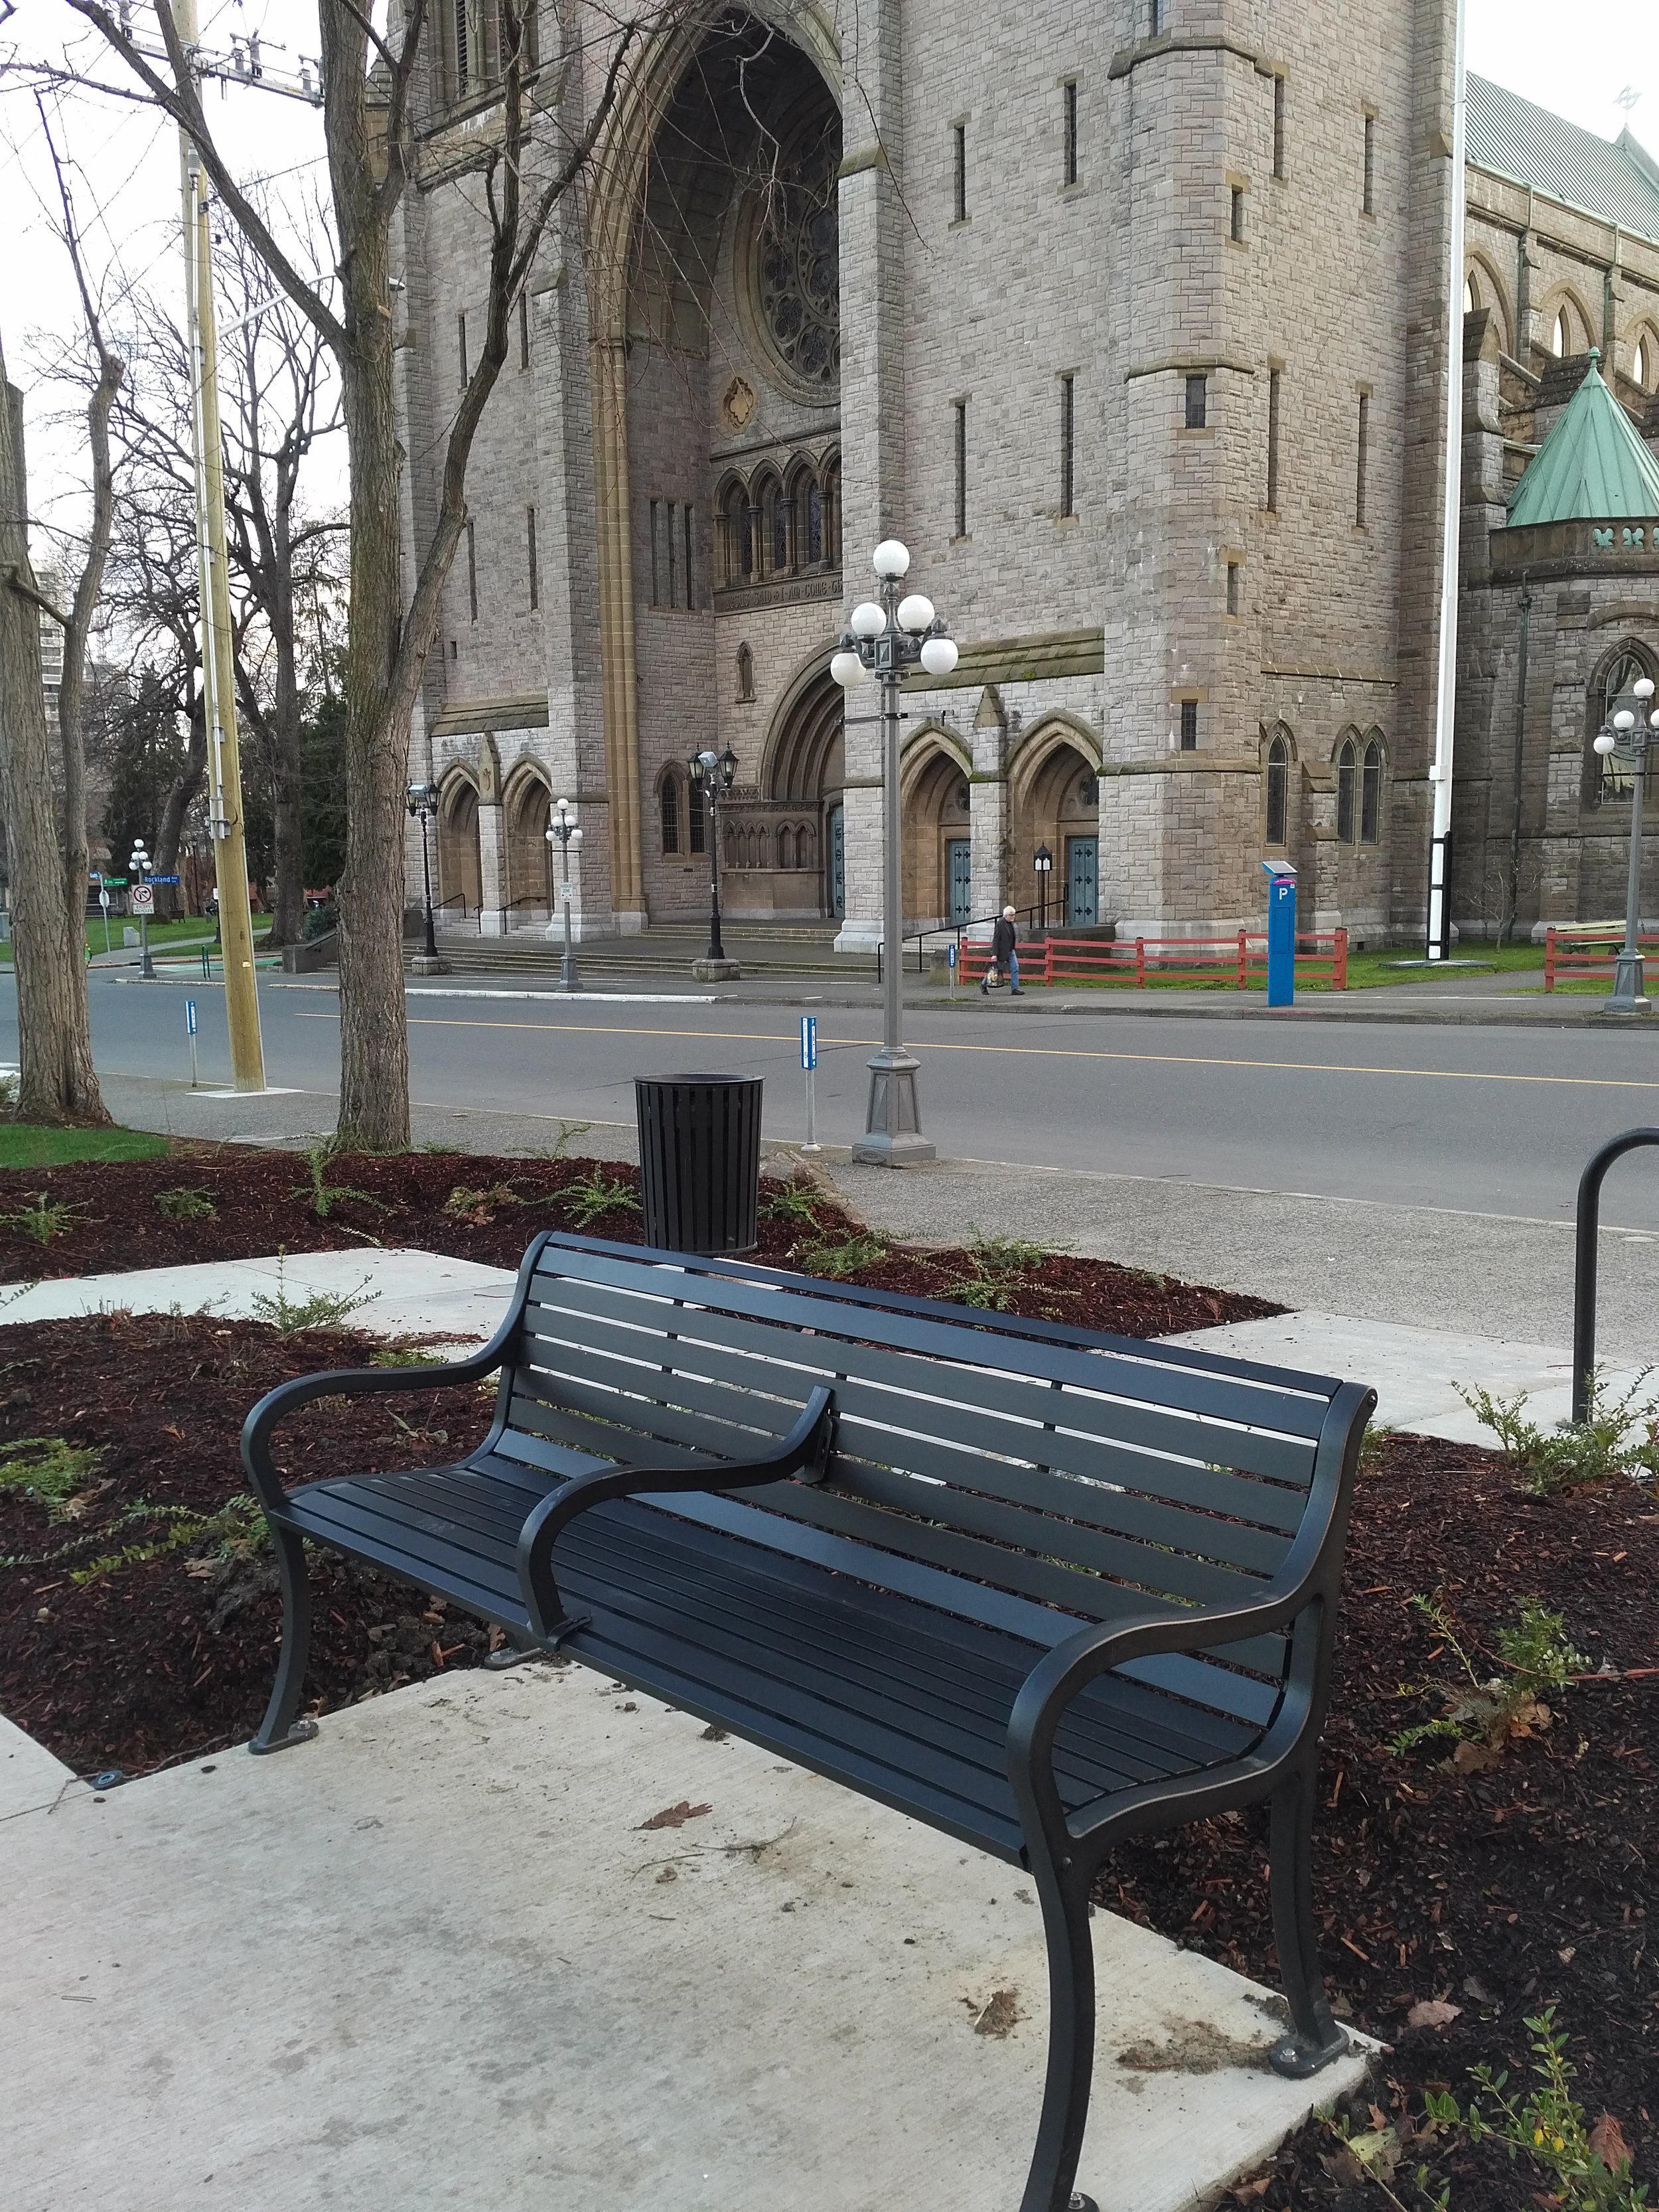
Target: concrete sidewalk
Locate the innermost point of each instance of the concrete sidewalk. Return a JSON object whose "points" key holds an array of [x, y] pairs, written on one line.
{"points": [[430, 1961]]}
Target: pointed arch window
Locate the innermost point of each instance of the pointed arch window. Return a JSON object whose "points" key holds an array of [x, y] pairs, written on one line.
{"points": [[1608, 777], [1371, 794], [1643, 361], [779, 555], [668, 802], [814, 523], [697, 821], [1278, 792], [1347, 768], [737, 532]]}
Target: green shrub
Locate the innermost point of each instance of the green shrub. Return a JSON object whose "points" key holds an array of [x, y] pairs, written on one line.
{"points": [[189, 1202]]}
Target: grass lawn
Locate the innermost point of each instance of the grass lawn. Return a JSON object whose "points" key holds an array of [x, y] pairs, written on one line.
{"points": [[24, 1145], [164, 936]]}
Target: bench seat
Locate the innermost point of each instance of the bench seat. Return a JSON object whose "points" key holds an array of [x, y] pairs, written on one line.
{"points": [[893, 1697]]}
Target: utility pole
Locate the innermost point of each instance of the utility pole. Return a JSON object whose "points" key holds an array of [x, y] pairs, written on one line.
{"points": [[244, 66]]}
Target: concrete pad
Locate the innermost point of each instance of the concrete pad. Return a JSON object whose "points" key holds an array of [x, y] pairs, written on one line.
{"points": [[31, 1778], [434, 1960], [407, 1292], [1415, 1371]]}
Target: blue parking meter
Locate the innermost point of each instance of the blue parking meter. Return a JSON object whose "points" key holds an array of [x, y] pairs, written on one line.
{"points": [[1281, 932]]}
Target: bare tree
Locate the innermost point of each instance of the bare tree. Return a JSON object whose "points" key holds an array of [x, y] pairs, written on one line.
{"points": [[369, 91], [49, 874]]}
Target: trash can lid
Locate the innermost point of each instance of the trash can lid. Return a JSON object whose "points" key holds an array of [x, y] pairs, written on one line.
{"points": [[704, 1080]]}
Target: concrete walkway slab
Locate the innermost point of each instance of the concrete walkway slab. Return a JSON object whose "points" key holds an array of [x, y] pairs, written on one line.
{"points": [[433, 1961], [405, 1291], [1415, 1371], [31, 1778]]}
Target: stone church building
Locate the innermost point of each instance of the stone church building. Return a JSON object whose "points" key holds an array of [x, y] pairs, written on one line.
{"points": [[1130, 320]]}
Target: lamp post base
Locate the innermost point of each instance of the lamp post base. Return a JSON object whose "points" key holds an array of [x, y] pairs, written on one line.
{"points": [[1628, 995], [893, 1139], [423, 964], [712, 971]]}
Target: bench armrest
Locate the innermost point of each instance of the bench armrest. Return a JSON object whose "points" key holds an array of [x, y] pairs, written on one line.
{"points": [[805, 1450], [344, 1383], [1309, 1579]]}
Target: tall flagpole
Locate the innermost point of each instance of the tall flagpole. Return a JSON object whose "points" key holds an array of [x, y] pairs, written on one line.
{"points": [[1440, 774], [218, 668]]}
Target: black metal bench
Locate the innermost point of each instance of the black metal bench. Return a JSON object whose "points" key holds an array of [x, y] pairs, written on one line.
{"points": [[1042, 1588]]}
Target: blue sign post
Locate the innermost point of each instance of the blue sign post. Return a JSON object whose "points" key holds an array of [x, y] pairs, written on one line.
{"points": [[190, 1031], [809, 1061], [950, 966], [1281, 932]]}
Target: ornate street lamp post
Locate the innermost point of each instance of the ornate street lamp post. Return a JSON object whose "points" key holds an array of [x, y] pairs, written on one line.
{"points": [[1043, 861], [564, 832], [712, 775], [139, 873], [1634, 729], [422, 799], [883, 640]]}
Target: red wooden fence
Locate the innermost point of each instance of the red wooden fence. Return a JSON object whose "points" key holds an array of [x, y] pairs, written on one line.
{"points": [[1576, 953], [1241, 960]]}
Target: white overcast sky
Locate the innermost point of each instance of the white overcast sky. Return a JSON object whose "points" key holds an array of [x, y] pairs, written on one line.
{"points": [[1577, 60]]}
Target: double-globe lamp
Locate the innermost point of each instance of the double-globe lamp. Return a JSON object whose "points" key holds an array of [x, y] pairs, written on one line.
{"points": [[1633, 731], [564, 830], [885, 639]]}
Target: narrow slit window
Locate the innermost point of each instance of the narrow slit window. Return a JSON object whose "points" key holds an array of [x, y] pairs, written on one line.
{"points": [[656, 568], [530, 545], [673, 556], [1198, 410], [1275, 379], [1362, 459], [1189, 726], [1279, 128], [1156, 17], [1068, 447], [524, 330], [669, 804], [1278, 792], [1069, 166], [960, 465], [686, 537], [1370, 795], [472, 569], [1236, 230], [463, 48], [1367, 203], [959, 178], [1235, 588], [460, 341], [1346, 763]]}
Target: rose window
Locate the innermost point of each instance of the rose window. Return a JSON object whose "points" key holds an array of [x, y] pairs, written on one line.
{"points": [[798, 274]]}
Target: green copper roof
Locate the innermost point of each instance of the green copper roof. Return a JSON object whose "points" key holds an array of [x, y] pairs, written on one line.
{"points": [[1593, 466]]}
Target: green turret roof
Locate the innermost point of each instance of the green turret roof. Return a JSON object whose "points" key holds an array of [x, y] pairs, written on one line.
{"points": [[1593, 466]]}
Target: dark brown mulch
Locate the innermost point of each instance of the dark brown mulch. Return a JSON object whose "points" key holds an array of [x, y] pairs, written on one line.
{"points": [[1501, 1892], [476, 1207], [157, 1658]]}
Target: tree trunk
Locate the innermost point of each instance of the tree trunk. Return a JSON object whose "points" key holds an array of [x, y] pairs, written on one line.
{"points": [[57, 1083], [373, 1038]]}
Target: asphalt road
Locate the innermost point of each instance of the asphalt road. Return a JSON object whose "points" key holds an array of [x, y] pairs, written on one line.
{"points": [[1476, 1119]]}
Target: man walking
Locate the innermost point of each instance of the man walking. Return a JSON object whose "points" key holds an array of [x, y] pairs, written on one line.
{"points": [[1003, 941]]}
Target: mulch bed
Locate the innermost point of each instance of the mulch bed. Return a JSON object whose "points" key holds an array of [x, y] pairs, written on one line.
{"points": [[472, 1207], [1498, 1891]]}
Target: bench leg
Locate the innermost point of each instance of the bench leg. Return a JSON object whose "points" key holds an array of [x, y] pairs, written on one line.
{"points": [[279, 1729], [1314, 2039], [1048, 2186]]}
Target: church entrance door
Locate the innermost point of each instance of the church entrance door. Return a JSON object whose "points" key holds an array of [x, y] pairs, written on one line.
{"points": [[1082, 881], [959, 853]]}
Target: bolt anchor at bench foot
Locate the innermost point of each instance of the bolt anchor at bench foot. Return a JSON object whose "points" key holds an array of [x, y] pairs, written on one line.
{"points": [[298, 1732], [1297, 2057], [1082, 2204]]}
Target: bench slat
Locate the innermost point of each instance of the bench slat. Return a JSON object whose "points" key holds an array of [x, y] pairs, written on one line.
{"points": [[1021, 1368], [1205, 1486], [706, 1343], [1163, 1376]]}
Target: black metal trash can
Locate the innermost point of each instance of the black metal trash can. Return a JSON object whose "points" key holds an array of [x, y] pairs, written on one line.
{"points": [[700, 1161]]}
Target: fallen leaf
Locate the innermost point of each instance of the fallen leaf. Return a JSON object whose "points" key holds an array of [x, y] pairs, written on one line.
{"points": [[1607, 2143], [1433, 2012], [1473, 1758], [676, 1816], [1478, 1991], [999, 2015], [1244, 2190]]}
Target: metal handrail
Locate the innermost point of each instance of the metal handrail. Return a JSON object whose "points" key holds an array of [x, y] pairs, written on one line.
{"points": [[1584, 1262], [958, 930]]}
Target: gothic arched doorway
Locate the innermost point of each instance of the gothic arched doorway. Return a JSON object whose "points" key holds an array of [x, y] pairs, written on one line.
{"points": [[1056, 807], [460, 874], [528, 803], [939, 878], [801, 783]]}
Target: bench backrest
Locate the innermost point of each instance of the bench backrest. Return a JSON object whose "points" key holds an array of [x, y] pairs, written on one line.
{"points": [[1016, 1473]]}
